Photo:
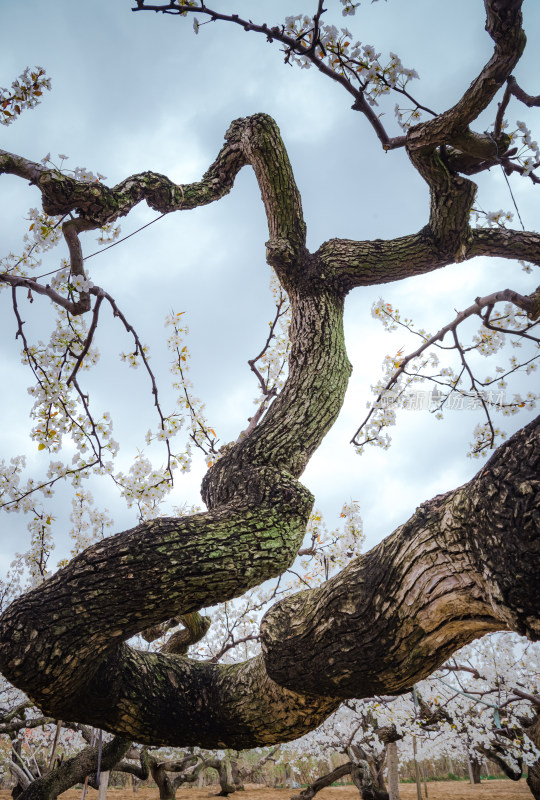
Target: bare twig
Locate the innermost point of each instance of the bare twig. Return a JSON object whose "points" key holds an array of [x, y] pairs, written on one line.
{"points": [[229, 645], [518, 92], [497, 127]]}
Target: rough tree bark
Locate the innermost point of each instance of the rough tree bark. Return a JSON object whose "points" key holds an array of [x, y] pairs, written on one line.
{"points": [[465, 563], [224, 770], [75, 770], [498, 758], [363, 777], [325, 780], [533, 771], [167, 784]]}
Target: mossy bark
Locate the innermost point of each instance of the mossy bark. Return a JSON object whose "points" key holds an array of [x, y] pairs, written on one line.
{"points": [[466, 563]]}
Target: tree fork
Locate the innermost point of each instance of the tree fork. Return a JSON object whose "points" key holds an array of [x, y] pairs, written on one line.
{"points": [[465, 563]]}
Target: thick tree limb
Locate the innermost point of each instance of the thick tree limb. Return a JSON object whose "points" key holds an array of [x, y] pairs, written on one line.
{"points": [[504, 243], [18, 711], [20, 774], [61, 642], [196, 628], [349, 263], [254, 140], [466, 563], [340, 264], [67, 632], [140, 770], [18, 725], [503, 24]]}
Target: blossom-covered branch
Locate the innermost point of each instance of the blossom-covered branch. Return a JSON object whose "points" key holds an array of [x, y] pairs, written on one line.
{"points": [[404, 371]]}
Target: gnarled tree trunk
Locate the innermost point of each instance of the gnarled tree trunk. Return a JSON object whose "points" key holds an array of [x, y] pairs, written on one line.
{"points": [[223, 768], [466, 563], [325, 780], [75, 770], [162, 772], [362, 776]]}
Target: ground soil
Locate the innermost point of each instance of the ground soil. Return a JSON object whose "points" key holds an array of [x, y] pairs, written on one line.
{"points": [[453, 790]]}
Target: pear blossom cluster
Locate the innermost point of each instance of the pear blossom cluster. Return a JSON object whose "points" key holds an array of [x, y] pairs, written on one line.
{"points": [[58, 409], [479, 698], [310, 43], [329, 551], [349, 9], [491, 219], [62, 409], [407, 116], [88, 523], [79, 173], [44, 231], [145, 486], [134, 358], [528, 155], [200, 433], [392, 392], [36, 558], [109, 232], [454, 384], [357, 63], [25, 93], [43, 234]]}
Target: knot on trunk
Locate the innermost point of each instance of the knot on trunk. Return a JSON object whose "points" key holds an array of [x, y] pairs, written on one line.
{"points": [[231, 482]]}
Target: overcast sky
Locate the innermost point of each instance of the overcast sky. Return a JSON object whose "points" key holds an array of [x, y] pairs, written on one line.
{"points": [[133, 92]]}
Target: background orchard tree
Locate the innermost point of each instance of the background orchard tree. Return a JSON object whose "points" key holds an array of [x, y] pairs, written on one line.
{"points": [[463, 565], [490, 693], [481, 705]]}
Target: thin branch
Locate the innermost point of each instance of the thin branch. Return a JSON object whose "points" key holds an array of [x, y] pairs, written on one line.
{"points": [[268, 392], [21, 724], [139, 349], [294, 45], [469, 371], [510, 166], [524, 302], [230, 645], [497, 127], [88, 340], [33, 285], [518, 92], [17, 711], [504, 26]]}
